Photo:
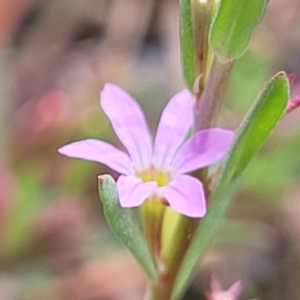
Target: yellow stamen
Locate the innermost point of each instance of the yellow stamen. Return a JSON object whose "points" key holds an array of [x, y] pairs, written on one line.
{"points": [[161, 178]]}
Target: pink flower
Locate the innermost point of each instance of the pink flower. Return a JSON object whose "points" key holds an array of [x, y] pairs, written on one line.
{"points": [[155, 170], [233, 293]]}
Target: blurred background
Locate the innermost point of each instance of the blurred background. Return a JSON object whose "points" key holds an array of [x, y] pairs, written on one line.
{"points": [[55, 57]]}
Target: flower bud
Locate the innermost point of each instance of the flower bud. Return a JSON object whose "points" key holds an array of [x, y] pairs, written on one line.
{"points": [[202, 15], [152, 215]]}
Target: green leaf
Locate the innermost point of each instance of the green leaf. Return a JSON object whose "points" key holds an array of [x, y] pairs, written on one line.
{"points": [[233, 27], [187, 43], [124, 225], [254, 130], [256, 127]]}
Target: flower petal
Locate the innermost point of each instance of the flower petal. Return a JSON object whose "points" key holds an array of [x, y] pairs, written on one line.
{"points": [[235, 290], [204, 148], [128, 121], [185, 194], [174, 124], [133, 192], [100, 152]]}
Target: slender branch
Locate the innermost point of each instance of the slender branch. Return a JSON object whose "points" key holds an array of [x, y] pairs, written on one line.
{"points": [[185, 232], [207, 104]]}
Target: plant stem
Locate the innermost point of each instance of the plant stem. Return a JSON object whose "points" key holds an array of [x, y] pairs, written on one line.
{"points": [[185, 231], [205, 110], [208, 102], [152, 212]]}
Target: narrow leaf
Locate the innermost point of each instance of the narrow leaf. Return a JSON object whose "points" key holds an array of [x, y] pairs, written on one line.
{"points": [[256, 127], [233, 27], [254, 130], [187, 43], [124, 225]]}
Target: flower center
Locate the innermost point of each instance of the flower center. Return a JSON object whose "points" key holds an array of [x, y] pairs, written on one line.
{"points": [[161, 178]]}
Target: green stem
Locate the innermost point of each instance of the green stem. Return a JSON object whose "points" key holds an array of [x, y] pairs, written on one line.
{"points": [[152, 215], [207, 104], [205, 110], [163, 290], [173, 258]]}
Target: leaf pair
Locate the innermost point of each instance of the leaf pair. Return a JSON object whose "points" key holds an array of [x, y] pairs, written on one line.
{"points": [[229, 35]]}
